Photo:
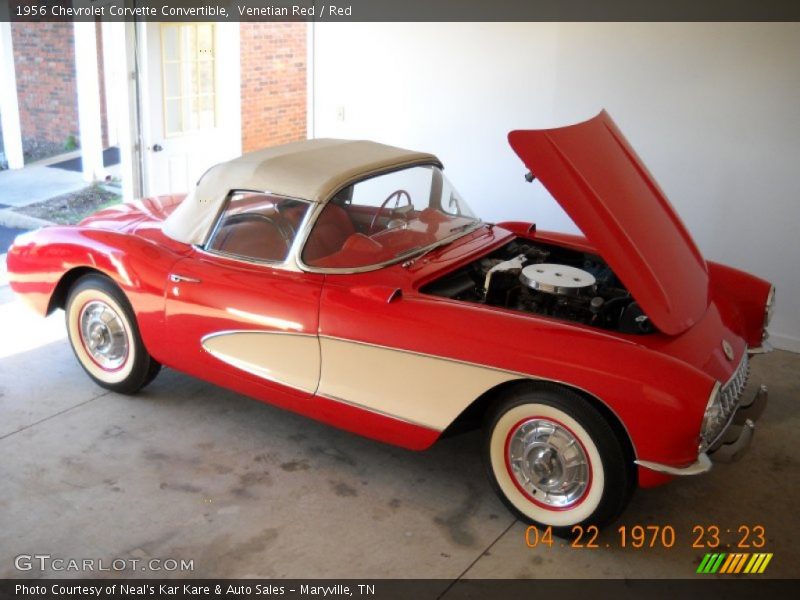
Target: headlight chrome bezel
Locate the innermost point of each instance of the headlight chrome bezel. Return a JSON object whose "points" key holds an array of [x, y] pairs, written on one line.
{"points": [[769, 310], [710, 430]]}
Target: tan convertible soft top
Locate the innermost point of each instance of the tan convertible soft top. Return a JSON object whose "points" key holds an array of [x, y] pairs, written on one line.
{"points": [[312, 170]]}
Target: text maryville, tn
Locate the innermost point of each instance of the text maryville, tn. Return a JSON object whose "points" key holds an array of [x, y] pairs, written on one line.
{"points": [[186, 589]]}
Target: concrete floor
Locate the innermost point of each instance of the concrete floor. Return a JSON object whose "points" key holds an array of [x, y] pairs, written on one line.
{"points": [[187, 470]]}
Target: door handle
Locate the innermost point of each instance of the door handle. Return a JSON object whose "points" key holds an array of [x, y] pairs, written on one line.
{"points": [[175, 278], [157, 148]]}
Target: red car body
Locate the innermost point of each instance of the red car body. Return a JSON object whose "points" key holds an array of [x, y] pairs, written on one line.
{"points": [[654, 387]]}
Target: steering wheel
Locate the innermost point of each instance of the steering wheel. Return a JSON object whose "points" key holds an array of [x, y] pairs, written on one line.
{"points": [[397, 194]]}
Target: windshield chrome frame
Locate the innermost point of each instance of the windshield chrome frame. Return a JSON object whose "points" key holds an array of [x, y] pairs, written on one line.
{"points": [[315, 213]]}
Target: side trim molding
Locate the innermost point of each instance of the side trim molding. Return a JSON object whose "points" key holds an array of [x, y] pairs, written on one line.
{"points": [[377, 412]]}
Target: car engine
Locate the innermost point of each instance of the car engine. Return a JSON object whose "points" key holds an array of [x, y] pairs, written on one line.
{"points": [[547, 280]]}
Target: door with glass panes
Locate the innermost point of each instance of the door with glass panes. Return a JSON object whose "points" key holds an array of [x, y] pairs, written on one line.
{"points": [[192, 102]]}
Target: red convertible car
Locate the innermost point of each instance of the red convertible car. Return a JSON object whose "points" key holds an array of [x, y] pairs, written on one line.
{"points": [[348, 281]]}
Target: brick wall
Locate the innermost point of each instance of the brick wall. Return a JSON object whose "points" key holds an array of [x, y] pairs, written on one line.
{"points": [[44, 59], [273, 62], [273, 86]]}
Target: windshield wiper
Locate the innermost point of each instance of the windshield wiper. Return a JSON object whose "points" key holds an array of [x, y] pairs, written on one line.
{"points": [[412, 259], [463, 227]]}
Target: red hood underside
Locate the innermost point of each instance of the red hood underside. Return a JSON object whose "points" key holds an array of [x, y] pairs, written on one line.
{"points": [[595, 175]]}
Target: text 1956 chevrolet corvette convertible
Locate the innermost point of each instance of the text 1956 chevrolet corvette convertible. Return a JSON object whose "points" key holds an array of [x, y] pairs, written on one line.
{"points": [[348, 281]]}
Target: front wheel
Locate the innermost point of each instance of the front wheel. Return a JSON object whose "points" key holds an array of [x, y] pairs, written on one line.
{"points": [[555, 460], [105, 338]]}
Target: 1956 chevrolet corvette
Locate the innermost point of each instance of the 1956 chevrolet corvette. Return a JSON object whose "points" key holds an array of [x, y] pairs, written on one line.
{"points": [[348, 281]]}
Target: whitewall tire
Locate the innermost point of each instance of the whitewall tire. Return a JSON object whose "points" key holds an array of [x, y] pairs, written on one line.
{"points": [[104, 336], [555, 460]]}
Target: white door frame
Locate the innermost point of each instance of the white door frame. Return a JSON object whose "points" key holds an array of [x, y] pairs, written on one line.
{"points": [[129, 113], [310, 78], [229, 103], [9, 102]]}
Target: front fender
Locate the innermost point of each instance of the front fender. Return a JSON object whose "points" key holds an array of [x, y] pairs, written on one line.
{"points": [[658, 398], [742, 298]]}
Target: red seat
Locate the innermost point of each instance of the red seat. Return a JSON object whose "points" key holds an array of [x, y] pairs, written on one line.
{"points": [[358, 250], [255, 238], [331, 230]]}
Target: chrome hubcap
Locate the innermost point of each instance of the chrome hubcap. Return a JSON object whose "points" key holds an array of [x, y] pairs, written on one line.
{"points": [[103, 334], [548, 462]]}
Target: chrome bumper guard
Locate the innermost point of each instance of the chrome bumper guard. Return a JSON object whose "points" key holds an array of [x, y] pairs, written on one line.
{"points": [[764, 348], [700, 466], [736, 439], [732, 445], [734, 450]]}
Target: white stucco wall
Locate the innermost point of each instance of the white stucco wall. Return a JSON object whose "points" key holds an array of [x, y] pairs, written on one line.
{"points": [[713, 109]]}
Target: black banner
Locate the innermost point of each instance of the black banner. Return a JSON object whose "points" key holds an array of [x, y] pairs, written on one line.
{"points": [[402, 589], [399, 10]]}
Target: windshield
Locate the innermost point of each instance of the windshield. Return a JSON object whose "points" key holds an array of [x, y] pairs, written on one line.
{"points": [[388, 217]]}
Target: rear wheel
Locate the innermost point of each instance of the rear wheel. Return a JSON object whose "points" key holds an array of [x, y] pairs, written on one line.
{"points": [[555, 461], [105, 338]]}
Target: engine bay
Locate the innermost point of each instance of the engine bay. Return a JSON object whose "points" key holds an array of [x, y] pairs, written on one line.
{"points": [[547, 280]]}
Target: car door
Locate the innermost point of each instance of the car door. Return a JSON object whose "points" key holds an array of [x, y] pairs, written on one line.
{"points": [[236, 314], [384, 351]]}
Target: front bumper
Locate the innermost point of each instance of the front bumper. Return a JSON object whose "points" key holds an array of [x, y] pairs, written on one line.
{"points": [[732, 445]]}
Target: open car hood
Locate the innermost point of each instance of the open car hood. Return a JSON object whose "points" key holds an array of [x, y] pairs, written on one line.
{"points": [[594, 174]]}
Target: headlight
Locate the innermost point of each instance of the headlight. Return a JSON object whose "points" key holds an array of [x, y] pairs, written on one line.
{"points": [[714, 419], [768, 310]]}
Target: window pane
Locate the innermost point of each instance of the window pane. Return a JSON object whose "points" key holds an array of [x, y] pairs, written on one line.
{"points": [[387, 218], [189, 77], [258, 226], [205, 42], [373, 192], [189, 42], [169, 36], [172, 79], [206, 78]]}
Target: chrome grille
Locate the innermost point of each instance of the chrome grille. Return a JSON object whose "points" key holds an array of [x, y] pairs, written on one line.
{"points": [[722, 406], [731, 392]]}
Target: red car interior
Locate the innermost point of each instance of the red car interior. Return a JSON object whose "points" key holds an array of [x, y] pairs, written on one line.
{"points": [[252, 236], [330, 232]]}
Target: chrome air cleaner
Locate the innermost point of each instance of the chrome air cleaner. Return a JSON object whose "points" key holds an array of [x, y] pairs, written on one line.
{"points": [[561, 280]]}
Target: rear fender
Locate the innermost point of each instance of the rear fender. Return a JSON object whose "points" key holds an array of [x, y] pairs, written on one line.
{"points": [[43, 265]]}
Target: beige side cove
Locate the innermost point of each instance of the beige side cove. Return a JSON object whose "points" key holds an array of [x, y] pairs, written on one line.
{"points": [[411, 387], [420, 389], [288, 359]]}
